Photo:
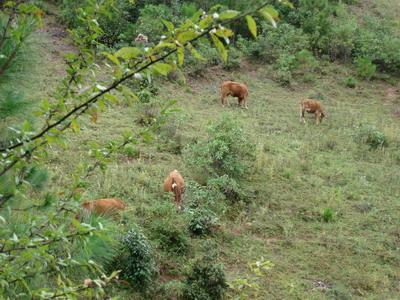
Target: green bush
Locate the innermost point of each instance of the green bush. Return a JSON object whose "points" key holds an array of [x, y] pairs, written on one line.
{"points": [[149, 22], [170, 236], [206, 281], [228, 186], [227, 150], [135, 260], [202, 221], [234, 59], [195, 67], [378, 42], [365, 68], [272, 43], [373, 137]]}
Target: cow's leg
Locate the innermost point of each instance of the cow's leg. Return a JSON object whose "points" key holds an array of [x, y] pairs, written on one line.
{"points": [[223, 100], [317, 117], [245, 102], [302, 119]]}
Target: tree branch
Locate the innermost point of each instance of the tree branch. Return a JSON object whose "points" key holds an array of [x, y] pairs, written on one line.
{"points": [[95, 98]]}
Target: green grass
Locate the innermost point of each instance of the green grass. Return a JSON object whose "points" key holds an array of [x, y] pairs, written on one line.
{"points": [[299, 172]]}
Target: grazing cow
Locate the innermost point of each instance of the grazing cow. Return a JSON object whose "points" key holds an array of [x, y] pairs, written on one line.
{"points": [[142, 38], [174, 183], [101, 207], [234, 89], [313, 107]]}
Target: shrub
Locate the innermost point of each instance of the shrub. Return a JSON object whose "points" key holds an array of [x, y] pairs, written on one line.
{"points": [[135, 260], [378, 42], [210, 57], [365, 68], [206, 281], [202, 221], [149, 22], [170, 236], [272, 43], [226, 151], [228, 186], [373, 137], [234, 58]]}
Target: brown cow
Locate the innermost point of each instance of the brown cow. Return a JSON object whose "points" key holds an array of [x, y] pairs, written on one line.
{"points": [[174, 183], [101, 207], [234, 89], [313, 107]]}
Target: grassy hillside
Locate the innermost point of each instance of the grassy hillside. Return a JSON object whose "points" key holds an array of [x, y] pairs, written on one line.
{"points": [[299, 172]]}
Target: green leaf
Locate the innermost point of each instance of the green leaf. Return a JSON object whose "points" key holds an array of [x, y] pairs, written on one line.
{"points": [[186, 36], [181, 55], [112, 58], [196, 54], [75, 126], [220, 47], [270, 14], [252, 25], [128, 52], [162, 68], [228, 14], [168, 24]]}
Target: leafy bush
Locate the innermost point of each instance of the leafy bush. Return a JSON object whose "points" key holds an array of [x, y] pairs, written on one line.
{"points": [[272, 43], [228, 186], [373, 137], [365, 68], [377, 41], [226, 151], [206, 281], [135, 260], [210, 57], [303, 63], [234, 58], [202, 221], [170, 236], [113, 17], [149, 22]]}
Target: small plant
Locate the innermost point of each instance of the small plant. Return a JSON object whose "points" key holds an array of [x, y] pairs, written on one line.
{"points": [[202, 221], [365, 68], [135, 260], [131, 151], [328, 215], [373, 137], [350, 82], [206, 281]]}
